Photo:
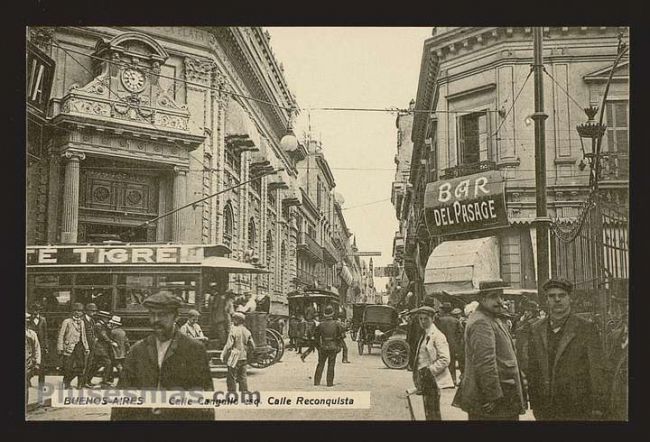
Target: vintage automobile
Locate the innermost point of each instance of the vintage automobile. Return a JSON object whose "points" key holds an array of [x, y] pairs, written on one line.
{"points": [[378, 323], [357, 319], [395, 350]]}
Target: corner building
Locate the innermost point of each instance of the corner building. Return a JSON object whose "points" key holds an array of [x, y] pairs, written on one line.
{"points": [[139, 121], [478, 139]]}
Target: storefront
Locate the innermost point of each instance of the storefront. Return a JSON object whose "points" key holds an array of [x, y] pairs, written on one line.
{"points": [[476, 240]]}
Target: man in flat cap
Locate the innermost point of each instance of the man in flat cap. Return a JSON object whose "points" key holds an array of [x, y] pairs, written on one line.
{"points": [[431, 364], [165, 360], [491, 388], [566, 372]]}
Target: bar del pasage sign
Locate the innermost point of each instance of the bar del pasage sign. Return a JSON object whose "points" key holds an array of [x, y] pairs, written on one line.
{"points": [[466, 204]]}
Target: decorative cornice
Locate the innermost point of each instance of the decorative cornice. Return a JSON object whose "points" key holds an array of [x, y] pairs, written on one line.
{"points": [[199, 71], [73, 155]]}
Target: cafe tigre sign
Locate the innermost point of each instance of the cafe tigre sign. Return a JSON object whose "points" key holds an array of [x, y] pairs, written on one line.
{"points": [[466, 204], [111, 255]]}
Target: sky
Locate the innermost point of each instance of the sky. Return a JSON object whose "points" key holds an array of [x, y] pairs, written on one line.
{"points": [[355, 67]]}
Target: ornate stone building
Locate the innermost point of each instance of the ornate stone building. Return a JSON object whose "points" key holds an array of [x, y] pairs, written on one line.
{"points": [[144, 120], [479, 127]]}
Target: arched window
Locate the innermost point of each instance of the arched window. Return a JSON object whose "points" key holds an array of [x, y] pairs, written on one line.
{"points": [[252, 235], [227, 225]]}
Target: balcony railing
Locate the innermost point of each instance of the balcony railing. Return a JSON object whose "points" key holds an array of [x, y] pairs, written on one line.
{"points": [[329, 249], [615, 166], [308, 244], [305, 277], [468, 169]]}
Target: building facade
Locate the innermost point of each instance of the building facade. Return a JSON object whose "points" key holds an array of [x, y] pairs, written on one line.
{"points": [[478, 139]]}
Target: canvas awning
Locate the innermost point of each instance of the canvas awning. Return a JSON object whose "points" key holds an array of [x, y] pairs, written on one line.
{"points": [[460, 265], [221, 262], [346, 275]]}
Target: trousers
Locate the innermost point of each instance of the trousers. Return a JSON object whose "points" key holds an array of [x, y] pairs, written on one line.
{"points": [[345, 349], [237, 375], [488, 417], [330, 357], [73, 366], [428, 386]]}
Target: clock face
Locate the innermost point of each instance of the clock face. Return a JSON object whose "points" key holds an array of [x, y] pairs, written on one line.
{"points": [[133, 80]]}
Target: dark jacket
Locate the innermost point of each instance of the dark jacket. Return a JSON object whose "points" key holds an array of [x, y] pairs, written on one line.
{"points": [[452, 330], [185, 367], [89, 324], [491, 369], [103, 341], [41, 331], [574, 384], [328, 335], [119, 336]]}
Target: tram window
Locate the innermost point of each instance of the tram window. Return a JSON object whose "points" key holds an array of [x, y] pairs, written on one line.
{"points": [[52, 280], [54, 300], [135, 280], [102, 297], [93, 279], [183, 285], [129, 298]]}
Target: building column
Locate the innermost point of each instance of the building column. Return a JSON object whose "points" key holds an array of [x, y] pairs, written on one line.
{"points": [[70, 218], [179, 193]]}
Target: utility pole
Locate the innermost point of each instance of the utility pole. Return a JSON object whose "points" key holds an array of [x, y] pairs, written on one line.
{"points": [[542, 220]]}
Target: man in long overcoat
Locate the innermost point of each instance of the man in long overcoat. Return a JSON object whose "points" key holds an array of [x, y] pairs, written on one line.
{"points": [[566, 370], [491, 388], [165, 360]]}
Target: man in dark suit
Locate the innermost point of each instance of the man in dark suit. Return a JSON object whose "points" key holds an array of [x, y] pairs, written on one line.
{"points": [[566, 371], [491, 388], [451, 328], [89, 324], [327, 336], [165, 360]]}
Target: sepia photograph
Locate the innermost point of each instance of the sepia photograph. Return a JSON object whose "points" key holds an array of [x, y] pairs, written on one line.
{"points": [[263, 223]]}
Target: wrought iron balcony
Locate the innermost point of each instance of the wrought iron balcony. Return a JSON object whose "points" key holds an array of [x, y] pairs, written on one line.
{"points": [[615, 166], [305, 277], [468, 169], [307, 244]]}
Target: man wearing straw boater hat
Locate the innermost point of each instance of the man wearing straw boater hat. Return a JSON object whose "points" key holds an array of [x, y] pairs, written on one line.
{"points": [[165, 360], [491, 388]]}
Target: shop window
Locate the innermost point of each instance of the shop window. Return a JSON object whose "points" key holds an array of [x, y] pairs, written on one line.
{"points": [[473, 138]]}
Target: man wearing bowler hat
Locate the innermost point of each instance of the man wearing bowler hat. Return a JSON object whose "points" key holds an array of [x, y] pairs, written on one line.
{"points": [[491, 388], [566, 373], [165, 360]]}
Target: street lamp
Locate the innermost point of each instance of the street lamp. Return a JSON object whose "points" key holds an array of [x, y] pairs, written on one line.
{"points": [[594, 131]]}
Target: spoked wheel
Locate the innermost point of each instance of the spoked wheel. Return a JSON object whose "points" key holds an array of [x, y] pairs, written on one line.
{"points": [[268, 358], [395, 354], [278, 340]]}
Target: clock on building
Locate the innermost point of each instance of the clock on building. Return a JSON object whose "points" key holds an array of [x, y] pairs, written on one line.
{"points": [[133, 80]]}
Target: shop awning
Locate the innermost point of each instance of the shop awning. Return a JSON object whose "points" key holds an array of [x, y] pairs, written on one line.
{"points": [[221, 262], [460, 265]]}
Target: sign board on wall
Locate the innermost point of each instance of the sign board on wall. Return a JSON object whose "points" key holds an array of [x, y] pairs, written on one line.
{"points": [[111, 255], [386, 272], [466, 204]]}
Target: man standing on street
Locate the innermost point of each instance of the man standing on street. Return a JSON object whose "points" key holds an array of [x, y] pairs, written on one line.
{"points": [[165, 360], [38, 323], [118, 335], [566, 373], [89, 324], [492, 387], [327, 337], [239, 346], [102, 353], [451, 328], [72, 346], [32, 355], [431, 363]]}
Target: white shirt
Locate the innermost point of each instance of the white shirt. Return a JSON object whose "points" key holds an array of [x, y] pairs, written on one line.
{"points": [[423, 356], [162, 349]]}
